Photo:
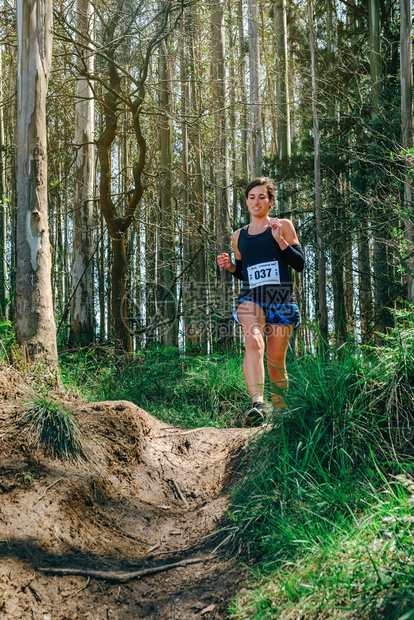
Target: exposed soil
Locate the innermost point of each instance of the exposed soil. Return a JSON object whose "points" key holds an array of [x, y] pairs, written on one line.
{"points": [[150, 495]]}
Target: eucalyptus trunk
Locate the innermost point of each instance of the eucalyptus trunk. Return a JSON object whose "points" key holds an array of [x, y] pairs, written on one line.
{"points": [[282, 81], [406, 69], [380, 223], [282, 98], [222, 206], [3, 207], [255, 97], [167, 238], [83, 313], [375, 54], [35, 323], [323, 311], [243, 89]]}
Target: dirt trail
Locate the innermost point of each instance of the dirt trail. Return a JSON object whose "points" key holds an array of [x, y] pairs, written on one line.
{"points": [[149, 497]]}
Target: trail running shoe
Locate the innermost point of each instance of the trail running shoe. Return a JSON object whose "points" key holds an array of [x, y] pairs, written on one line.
{"points": [[256, 416]]}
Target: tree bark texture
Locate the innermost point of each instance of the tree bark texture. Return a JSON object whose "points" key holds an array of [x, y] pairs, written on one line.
{"points": [[222, 150], [282, 81], [3, 208], [282, 98], [222, 181], [406, 67], [167, 238], [243, 89], [323, 311], [375, 53], [255, 97], [82, 310], [366, 301], [35, 323]]}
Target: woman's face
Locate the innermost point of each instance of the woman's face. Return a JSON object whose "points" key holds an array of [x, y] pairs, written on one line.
{"points": [[258, 201]]}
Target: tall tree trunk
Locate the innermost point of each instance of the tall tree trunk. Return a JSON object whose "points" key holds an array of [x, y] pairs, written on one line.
{"points": [[243, 90], [380, 225], [282, 97], [167, 237], [349, 280], [338, 270], [365, 288], [35, 323], [82, 315], [255, 98], [101, 277], [150, 268], [222, 212], [406, 65], [323, 311], [204, 327], [3, 208], [375, 53], [201, 268], [116, 241], [282, 81], [186, 234], [12, 138]]}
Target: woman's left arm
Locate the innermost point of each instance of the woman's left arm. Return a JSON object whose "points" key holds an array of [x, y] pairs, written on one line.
{"points": [[285, 235]]}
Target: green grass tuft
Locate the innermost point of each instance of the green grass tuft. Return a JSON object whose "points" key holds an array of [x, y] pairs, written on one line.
{"points": [[51, 425]]}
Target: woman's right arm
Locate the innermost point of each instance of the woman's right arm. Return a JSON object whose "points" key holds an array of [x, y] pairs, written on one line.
{"points": [[224, 260]]}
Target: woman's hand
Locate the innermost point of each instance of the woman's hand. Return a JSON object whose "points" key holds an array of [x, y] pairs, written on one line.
{"points": [[224, 261], [276, 226]]}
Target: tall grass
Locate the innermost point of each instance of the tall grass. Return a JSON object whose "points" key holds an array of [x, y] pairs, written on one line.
{"points": [[189, 391], [362, 572], [7, 340], [326, 475]]}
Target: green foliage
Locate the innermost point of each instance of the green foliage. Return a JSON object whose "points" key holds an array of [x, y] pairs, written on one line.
{"points": [[347, 418], [51, 425], [188, 391], [321, 490], [7, 340], [365, 571]]}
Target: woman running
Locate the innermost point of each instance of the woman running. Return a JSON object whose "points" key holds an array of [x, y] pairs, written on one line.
{"points": [[267, 309]]}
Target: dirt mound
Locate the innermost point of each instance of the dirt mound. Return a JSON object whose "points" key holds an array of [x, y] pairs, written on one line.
{"points": [[151, 495]]}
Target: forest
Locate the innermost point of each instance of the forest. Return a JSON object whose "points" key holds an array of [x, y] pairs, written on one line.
{"points": [[157, 116], [128, 134]]}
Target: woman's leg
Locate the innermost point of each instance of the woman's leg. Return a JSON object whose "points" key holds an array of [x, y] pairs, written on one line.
{"points": [[253, 321], [277, 344]]}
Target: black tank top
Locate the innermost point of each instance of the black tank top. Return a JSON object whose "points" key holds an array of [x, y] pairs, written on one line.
{"points": [[266, 276]]}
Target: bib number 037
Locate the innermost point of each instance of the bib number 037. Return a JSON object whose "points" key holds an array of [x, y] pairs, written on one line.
{"points": [[263, 273]]}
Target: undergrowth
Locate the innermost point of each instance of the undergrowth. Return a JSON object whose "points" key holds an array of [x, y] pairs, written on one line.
{"points": [[325, 511], [187, 391], [363, 571]]}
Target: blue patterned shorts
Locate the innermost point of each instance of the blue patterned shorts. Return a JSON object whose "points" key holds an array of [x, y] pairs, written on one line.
{"points": [[276, 314]]}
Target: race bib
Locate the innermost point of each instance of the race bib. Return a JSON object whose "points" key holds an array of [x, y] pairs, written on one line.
{"points": [[263, 273]]}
